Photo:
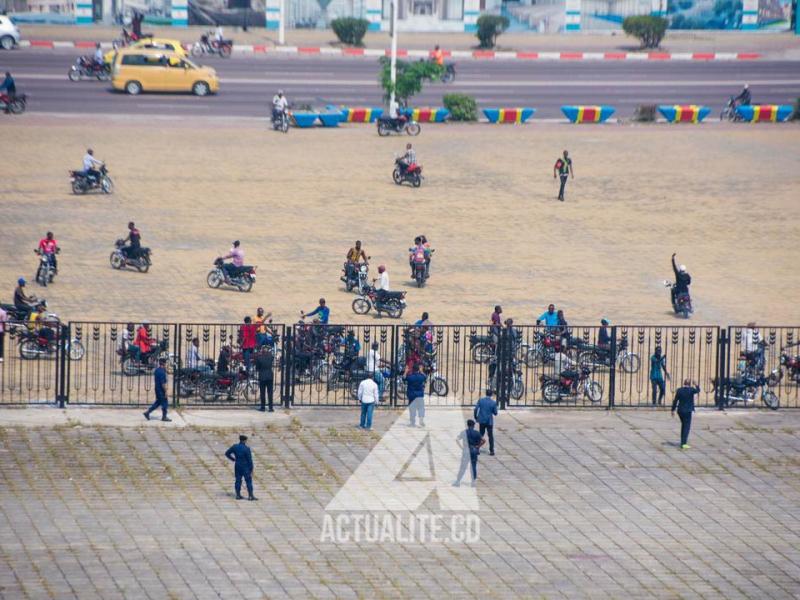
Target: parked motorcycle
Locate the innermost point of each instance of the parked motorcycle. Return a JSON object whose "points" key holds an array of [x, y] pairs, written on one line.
{"points": [[517, 382], [15, 105], [188, 381], [593, 357], [745, 390], [391, 303], [356, 277], [33, 345], [86, 68], [729, 111], [243, 280], [119, 259], [412, 173], [571, 386], [681, 303], [228, 386], [210, 45], [133, 365], [387, 125], [82, 182], [545, 346], [46, 271], [790, 363]]}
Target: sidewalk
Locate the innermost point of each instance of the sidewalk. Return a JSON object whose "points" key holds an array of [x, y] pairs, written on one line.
{"points": [[784, 46]]}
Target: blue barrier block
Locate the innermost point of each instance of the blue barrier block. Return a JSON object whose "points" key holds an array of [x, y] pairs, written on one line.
{"points": [[588, 114], [508, 115], [304, 119], [330, 119]]}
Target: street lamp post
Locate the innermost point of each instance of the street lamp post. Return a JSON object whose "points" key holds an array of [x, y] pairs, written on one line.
{"points": [[393, 67], [281, 24]]}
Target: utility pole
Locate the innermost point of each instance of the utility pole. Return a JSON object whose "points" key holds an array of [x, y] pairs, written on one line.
{"points": [[393, 71], [281, 24]]}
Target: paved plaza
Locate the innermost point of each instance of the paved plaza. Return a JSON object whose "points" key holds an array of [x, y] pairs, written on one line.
{"points": [[98, 503]]}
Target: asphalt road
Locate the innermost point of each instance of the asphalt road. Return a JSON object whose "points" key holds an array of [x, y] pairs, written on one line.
{"points": [[248, 83]]}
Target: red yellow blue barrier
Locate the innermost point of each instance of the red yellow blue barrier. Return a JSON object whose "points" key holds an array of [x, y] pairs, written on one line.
{"points": [[684, 113], [587, 114], [360, 115], [765, 113], [427, 115], [508, 115]]}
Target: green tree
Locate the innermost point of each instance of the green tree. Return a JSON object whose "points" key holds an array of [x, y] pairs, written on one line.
{"points": [[649, 29], [410, 78], [489, 27]]}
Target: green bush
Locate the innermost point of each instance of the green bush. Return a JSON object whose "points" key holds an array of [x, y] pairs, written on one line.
{"points": [[410, 77], [350, 30], [461, 106], [489, 27], [650, 30]]}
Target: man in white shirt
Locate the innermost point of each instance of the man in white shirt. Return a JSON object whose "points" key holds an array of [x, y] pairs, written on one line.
{"points": [[99, 59], [279, 104], [195, 361], [382, 282], [750, 338], [368, 396], [89, 164], [218, 36], [562, 364]]}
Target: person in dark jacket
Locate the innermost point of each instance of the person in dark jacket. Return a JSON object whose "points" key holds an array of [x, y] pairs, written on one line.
{"points": [[470, 442], [242, 457], [682, 279], [484, 413], [415, 392], [264, 363], [684, 403]]}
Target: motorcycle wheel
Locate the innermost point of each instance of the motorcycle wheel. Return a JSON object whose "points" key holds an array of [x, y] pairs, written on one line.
{"points": [[413, 128], [246, 286], [197, 50], [448, 77], [420, 278], [250, 390], [225, 51], [439, 385], [775, 377], [383, 130], [207, 391], [594, 392], [630, 363], [74, 75], [284, 125], [130, 367], [75, 350], [519, 388], [481, 353], [587, 359], [416, 180], [103, 75], [77, 188], [354, 388], [551, 392], [533, 356], [361, 306], [16, 107], [116, 261], [41, 277], [771, 400], [398, 179], [28, 349], [685, 313], [143, 267], [394, 311], [185, 387], [214, 279], [107, 185]]}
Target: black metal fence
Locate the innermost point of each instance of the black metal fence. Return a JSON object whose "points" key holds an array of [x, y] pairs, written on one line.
{"points": [[99, 363]]}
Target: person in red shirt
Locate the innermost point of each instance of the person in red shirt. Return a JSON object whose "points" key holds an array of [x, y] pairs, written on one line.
{"points": [[143, 340], [247, 339], [49, 247]]}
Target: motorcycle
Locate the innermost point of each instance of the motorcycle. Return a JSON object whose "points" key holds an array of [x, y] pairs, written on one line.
{"points": [[280, 121], [86, 68], [391, 303], [210, 45], [355, 277], [128, 38], [133, 365], [120, 259], [243, 280], [788, 362], [188, 380], [229, 386], [681, 303], [387, 125], [516, 384], [571, 385], [82, 182], [33, 345], [729, 112], [592, 357], [449, 73], [483, 349], [15, 314], [15, 105], [545, 346], [412, 173], [46, 271], [745, 389]]}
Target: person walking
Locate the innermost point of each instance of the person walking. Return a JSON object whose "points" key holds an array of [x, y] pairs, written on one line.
{"points": [[563, 169], [684, 403], [470, 442], [160, 377], [242, 457], [415, 392], [369, 396], [264, 365], [484, 413], [658, 371]]}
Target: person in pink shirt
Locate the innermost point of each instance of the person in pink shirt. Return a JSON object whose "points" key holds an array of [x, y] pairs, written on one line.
{"points": [[236, 255]]}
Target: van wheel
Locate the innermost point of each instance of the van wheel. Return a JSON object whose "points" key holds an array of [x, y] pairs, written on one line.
{"points": [[200, 88], [7, 42], [134, 88]]}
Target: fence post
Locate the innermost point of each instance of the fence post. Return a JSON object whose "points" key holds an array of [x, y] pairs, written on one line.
{"points": [[287, 376], [503, 366], [394, 370], [723, 348], [177, 346], [612, 372], [61, 362]]}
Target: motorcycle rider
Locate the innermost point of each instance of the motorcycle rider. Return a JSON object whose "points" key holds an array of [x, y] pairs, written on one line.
{"points": [[233, 268], [603, 337], [382, 282], [353, 257], [682, 280], [279, 105], [263, 332], [744, 98], [89, 164], [323, 311], [22, 302], [417, 255], [38, 323], [98, 59], [195, 360], [143, 340], [48, 247], [9, 85], [408, 159], [134, 240], [437, 56], [550, 317]]}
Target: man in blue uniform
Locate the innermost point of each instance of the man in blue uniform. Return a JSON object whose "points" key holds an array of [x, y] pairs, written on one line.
{"points": [[240, 454], [684, 404], [471, 442], [160, 376]]}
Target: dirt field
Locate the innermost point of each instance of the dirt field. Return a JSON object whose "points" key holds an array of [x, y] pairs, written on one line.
{"points": [[725, 198]]}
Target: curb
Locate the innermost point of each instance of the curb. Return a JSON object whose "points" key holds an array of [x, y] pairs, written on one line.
{"points": [[469, 54]]}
